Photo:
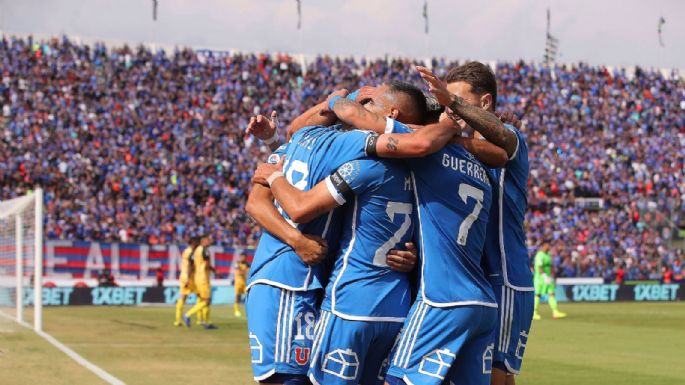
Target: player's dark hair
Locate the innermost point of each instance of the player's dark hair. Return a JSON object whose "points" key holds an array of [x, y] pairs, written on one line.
{"points": [[478, 75], [417, 97], [434, 110]]}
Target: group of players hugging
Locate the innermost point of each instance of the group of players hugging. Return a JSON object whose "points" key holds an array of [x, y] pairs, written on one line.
{"points": [[374, 270]]}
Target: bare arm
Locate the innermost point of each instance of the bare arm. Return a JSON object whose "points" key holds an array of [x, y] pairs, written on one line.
{"points": [[484, 151], [356, 115], [315, 116], [479, 119], [260, 207], [303, 206], [486, 123], [425, 141], [319, 115]]}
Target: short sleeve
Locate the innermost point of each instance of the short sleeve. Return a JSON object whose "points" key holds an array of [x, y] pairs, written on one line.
{"points": [[519, 138], [352, 145], [352, 178], [395, 127]]}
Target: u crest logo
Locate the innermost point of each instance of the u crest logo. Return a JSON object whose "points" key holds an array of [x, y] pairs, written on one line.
{"points": [[301, 356]]}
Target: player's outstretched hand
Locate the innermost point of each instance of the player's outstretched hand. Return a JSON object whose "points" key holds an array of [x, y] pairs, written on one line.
{"points": [[311, 249], [261, 127], [402, 260], [510, 118], [436, 86], [264, 171]]}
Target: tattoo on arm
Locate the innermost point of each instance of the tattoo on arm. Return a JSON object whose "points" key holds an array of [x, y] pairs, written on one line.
{"points": [[392, 144], [356, 115], [482, 121]]}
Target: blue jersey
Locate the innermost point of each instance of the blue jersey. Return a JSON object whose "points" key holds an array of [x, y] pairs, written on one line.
{"points": [[311, 155], [378, 218], [453, 194], [506, 253]]}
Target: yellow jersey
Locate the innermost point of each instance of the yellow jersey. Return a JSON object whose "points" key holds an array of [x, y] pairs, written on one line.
{"points": [[201, 259], [241, 270], [186, 266]]}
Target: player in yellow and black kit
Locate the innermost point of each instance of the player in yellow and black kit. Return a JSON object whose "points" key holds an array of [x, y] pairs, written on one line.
{"points": [[186, 279], [240, 282], [203, 288]]}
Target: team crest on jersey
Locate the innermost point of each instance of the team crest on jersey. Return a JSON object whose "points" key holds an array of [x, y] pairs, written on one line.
{"points": [[301, 356], [273, 159], [349, 170]]}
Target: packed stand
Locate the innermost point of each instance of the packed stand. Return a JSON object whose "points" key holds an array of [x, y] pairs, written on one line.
{"points": [[132, 145]]}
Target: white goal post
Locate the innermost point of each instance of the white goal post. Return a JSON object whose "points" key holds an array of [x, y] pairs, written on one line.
{"points": [[21, 255]]}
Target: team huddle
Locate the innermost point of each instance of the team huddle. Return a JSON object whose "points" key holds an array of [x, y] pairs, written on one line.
{"points": [[394, 248]]}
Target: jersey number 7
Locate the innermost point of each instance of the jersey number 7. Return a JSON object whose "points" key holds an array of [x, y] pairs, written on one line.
{"points": [[466, 191]]}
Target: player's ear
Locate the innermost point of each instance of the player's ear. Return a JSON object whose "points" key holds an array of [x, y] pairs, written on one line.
{"points": [[486, 101], [394, 113]]}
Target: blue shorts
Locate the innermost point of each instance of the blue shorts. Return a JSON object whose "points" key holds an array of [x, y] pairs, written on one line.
{"points": [[280, 324], [445, 344], [515, 315], [351, 352]]}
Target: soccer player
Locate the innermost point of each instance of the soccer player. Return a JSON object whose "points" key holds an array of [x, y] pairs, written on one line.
{"points": [[203, 287], [507, 261], [283, 288], [354, 326], [240, 283], [544, 282], [453, 193], [186, 279]]}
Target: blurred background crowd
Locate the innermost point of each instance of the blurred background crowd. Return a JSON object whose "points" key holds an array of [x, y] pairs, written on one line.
{"points": [[138, 146]]}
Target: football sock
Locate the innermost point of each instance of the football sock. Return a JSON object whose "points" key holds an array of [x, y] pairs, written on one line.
{"points": [[553, 303]]}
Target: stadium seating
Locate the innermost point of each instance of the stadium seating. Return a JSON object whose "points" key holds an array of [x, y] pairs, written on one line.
{"points": [[139, 146]]}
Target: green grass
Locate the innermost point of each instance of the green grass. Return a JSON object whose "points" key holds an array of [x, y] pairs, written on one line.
{"points": [[620, 343]]}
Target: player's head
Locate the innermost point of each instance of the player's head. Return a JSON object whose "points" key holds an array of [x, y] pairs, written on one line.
{"points": [[242, 257], [545, 247], [399, 100], [193, 241], [475, 83], [206, 240]]}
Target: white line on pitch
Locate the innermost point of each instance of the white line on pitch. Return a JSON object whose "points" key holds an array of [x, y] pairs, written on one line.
{"points": [[72, 354]]}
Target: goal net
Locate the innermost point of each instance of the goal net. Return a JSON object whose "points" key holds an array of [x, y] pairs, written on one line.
{"points": [[21, 256]]}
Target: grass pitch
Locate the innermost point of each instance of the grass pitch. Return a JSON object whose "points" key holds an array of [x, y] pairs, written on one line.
{"points": [[619, 343]]}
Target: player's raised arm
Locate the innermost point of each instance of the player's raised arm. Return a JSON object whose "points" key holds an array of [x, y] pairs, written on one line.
{"points": [[480, 119], [260, 207], [484, 151], [319, 115], [265, 129]]}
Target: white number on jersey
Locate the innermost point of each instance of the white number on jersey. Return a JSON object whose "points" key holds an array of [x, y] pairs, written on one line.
{"points": [[308, 329], [299, 167], [392, 209], [466, 191]]}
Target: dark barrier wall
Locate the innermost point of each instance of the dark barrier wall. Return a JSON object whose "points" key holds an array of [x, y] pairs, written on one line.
{"points": [[613, 292], [121, 296], [130, 296]]}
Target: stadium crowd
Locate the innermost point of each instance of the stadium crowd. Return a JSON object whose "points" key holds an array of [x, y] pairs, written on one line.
{"points": [[132, 145]]}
